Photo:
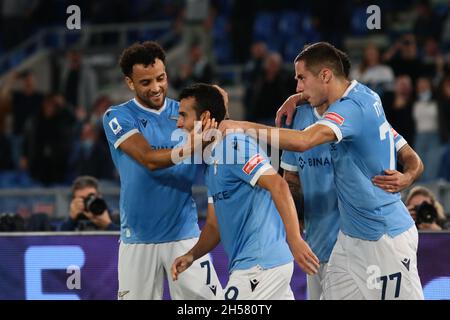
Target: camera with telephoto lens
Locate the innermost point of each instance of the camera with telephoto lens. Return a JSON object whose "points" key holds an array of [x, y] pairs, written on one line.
{"points": [[94, 204], [425, 213]]}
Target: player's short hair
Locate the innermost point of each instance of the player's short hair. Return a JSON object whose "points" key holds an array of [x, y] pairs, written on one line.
{"points": [[83, 182], [140, 53], [346, 63], [321, 55], [208, 98]]}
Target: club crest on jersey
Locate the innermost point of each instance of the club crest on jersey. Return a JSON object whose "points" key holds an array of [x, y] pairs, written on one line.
{"points": [[115, 126], [252, 163], [334, 117]]}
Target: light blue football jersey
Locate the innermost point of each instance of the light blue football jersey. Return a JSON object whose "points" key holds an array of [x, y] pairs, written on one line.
{"points": [[316, 172], [365, 148], [155, 206], [315, 169], [251, 228]]}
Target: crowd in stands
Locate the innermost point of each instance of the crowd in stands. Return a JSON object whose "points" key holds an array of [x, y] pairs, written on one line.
{"points": [[51, 138]]}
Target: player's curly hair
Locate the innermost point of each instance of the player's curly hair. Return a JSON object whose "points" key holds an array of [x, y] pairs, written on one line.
{"points": [[140, 53], [208, 98]]}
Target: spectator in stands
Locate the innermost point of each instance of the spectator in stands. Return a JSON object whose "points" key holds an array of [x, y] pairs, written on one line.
{"points": [[270, 89], [47, 143], [78, 81], [252, 69], [403, 58], [427, 23], [241, 27], [197, 20], [426, 114], [430, 218], [81, 217], [23, 104], [15, 18], [444, 120], [433, 60], [398, 107], [372, 72], [197, 69], [90, 153]]}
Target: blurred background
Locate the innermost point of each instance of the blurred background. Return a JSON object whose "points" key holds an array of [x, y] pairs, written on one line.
{"points": [[56, 83]]}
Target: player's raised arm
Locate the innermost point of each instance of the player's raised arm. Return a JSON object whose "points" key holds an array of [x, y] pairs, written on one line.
{"points": [[209, 239], [282, 198]]}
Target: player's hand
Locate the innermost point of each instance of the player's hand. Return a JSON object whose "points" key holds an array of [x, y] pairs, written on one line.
{"points": [[180, 264], [306, 259], [210, 132], [393, 181], [287, 109], [230, 125]]}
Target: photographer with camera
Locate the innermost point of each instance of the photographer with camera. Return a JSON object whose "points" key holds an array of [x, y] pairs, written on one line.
{"points": [[88, 211], [426, 211]]}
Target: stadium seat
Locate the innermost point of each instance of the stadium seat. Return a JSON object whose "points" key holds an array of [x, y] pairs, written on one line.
{"points": [[358, 22], [265, 26], [293, 47], [289, 24]]}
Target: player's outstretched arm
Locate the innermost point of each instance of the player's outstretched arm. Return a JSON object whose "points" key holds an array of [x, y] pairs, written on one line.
{"points": [[282, 198], [137, 147], [288, 139], [140, 150], [396, 181], [209, 239]]}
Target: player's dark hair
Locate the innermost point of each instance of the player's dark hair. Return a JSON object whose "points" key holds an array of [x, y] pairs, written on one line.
{"points": [[140, 53], [322, 55], [208, 98], [346, 64], [83, 182]]}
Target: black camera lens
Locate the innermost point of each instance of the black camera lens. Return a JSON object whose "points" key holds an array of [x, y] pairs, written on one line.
{"points": [[94, 204], [425, 213]]}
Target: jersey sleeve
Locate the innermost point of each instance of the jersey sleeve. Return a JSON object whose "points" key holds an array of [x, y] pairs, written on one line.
{"points": [[399, 141], [288, 161], [344, 118], [210, 197], [118, 126], [251, 162]]}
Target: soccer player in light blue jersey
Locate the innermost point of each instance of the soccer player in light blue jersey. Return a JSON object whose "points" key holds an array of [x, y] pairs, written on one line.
{"points": [[250, 210], [157, 212], [375, 253], [311, 179]]}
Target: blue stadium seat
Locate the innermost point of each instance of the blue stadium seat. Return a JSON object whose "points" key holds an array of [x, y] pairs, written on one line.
{"points": [[293, 47], [265, 26], [289, 24], [219, 28], [223, 52], [358, 22]]}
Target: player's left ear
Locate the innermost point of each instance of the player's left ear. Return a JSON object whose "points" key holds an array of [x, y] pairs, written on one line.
{"points": [[326, 75]]}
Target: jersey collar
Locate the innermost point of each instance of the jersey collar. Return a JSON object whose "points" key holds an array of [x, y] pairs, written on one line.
{"points": [[158, 112], [316, 114], [350, 87]]}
